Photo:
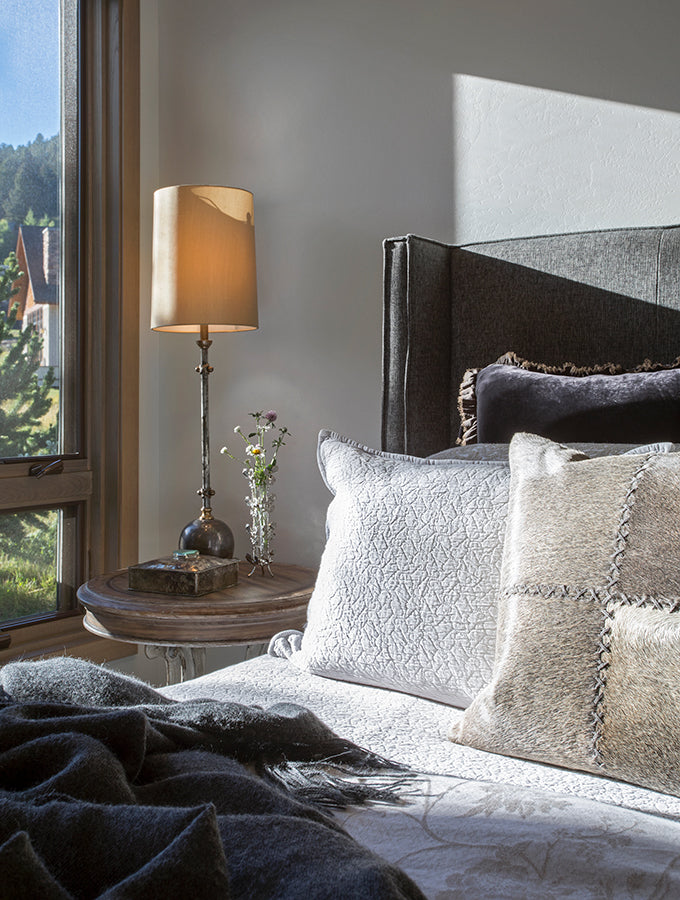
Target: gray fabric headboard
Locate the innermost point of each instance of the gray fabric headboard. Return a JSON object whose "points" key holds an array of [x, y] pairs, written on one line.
{"points": [[591, 297]]}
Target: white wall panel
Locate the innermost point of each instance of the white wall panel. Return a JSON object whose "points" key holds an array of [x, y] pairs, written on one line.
{"points": [[533, 161]]}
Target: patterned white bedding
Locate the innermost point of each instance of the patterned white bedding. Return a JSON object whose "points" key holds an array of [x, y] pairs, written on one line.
{"points": [[479, 825]]}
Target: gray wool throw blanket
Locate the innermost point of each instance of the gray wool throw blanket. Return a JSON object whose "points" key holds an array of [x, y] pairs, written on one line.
{"points": [[110, 790]]}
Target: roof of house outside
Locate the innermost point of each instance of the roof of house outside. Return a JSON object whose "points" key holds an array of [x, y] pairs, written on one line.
{"points": [[33, 241]]}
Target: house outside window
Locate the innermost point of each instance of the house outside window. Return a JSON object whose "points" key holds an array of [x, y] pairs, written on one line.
{"points": [[68, 314], [39, 259]]}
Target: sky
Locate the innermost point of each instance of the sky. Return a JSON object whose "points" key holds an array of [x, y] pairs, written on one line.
{"points": [[29, 70]]}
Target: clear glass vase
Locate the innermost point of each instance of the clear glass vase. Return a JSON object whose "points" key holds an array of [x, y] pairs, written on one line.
{"points": [[261, 527]]}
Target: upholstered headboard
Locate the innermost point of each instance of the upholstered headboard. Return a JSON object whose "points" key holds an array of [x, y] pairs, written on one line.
{"points": [[590, 297]]}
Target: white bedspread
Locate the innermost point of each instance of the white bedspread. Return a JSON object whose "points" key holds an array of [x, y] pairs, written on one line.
{"points": [[480, 825]]}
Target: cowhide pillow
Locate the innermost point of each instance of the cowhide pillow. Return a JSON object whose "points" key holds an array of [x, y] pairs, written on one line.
{"points": [[588, 644]]}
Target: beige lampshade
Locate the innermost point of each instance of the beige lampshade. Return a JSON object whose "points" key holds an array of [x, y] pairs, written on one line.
{"points": [[203, 259]]}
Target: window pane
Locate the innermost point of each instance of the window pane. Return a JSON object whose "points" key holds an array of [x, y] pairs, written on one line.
{"points": [[31, 228], [29, 563]]}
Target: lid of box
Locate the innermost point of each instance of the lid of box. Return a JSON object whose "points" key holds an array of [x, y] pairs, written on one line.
{"points": [[185, 561]]}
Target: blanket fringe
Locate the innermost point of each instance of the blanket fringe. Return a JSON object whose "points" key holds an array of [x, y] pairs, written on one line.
{"points": [[329, 784]]}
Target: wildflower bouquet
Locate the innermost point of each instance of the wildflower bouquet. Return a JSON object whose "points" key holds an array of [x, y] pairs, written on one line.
{"points": [[260, 466]]}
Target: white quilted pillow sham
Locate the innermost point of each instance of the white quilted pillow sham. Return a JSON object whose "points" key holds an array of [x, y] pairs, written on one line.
{"points": [[406, 593]]}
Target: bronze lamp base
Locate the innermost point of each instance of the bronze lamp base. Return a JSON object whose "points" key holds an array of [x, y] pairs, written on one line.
{"points": [[209, 536]]}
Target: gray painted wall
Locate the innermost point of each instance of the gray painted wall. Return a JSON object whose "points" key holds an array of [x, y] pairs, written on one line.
{"points": [[352, 122]]}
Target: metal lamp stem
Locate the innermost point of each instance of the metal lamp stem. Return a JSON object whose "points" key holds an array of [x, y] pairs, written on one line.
{"points": [[205, 370], [206, 534]]}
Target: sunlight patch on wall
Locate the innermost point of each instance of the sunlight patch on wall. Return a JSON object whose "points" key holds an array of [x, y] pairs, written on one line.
{"points": [[531, 161]]}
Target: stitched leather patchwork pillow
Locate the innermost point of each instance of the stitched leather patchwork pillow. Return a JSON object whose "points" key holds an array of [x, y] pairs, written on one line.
{"points": [[567, 403], [406, 593], [586, 668]]}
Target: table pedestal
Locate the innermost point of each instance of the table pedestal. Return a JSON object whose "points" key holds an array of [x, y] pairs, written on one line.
{"points": [[181, 663]]}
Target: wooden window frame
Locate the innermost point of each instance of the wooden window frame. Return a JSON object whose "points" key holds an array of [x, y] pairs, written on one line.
{"points": [[105, 479]]}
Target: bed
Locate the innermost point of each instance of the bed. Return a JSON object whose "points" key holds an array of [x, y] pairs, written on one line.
{"points": [[407, 632], [482, 824]]}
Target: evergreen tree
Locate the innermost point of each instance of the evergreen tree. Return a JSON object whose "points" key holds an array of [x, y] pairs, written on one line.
{"points": [[29, 179], [8, 238], [24, 401], [9, 163], [28, 189]]}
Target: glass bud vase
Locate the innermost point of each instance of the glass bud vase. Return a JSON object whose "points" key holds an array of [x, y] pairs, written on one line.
{"points": [[261, 527]]}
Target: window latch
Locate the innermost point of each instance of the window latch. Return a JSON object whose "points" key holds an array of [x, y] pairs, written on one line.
{"points": [[51, 468]]}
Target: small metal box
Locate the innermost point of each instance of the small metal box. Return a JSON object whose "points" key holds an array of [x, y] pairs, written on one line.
{"points": [[185, 572]]}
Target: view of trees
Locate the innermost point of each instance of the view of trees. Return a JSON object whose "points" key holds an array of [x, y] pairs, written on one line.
{"points": [[30, 177], [28, 582], [29, 188], [29, 195], [24, 401]]}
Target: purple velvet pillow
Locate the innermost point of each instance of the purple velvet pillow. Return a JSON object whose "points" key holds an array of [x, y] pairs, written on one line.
{"points": [[600, 404]]}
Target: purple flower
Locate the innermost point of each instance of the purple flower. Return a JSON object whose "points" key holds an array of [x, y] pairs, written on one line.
{"points": [[271, 416]]}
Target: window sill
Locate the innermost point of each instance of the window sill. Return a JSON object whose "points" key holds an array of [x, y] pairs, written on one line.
{"points": [[61, 637]]}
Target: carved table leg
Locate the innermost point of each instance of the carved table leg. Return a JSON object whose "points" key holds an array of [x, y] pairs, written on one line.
{"points": [[195, 662], [181, 663]]}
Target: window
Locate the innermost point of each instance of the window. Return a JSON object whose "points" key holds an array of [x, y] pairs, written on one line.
{"points": [[68, 313]]}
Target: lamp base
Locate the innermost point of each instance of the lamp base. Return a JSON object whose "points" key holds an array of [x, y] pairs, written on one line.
{"points": [[211, 537]]}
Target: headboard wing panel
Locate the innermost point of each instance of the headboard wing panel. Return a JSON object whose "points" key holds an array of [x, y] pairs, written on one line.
{"points": [[416, 341], [590, 297]]}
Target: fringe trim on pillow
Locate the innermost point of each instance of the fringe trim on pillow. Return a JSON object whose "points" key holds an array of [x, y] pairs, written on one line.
{"points": [[649, 366], [467, 408], [568, 368]]}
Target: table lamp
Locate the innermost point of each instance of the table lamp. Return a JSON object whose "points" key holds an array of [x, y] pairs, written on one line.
{"points": [[203, 281]]}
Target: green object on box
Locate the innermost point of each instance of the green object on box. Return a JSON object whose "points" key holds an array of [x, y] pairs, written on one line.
{"points": [[185, 572]]}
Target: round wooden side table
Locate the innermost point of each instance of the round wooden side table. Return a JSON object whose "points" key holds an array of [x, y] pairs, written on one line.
{"points": [[180, 628]]}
